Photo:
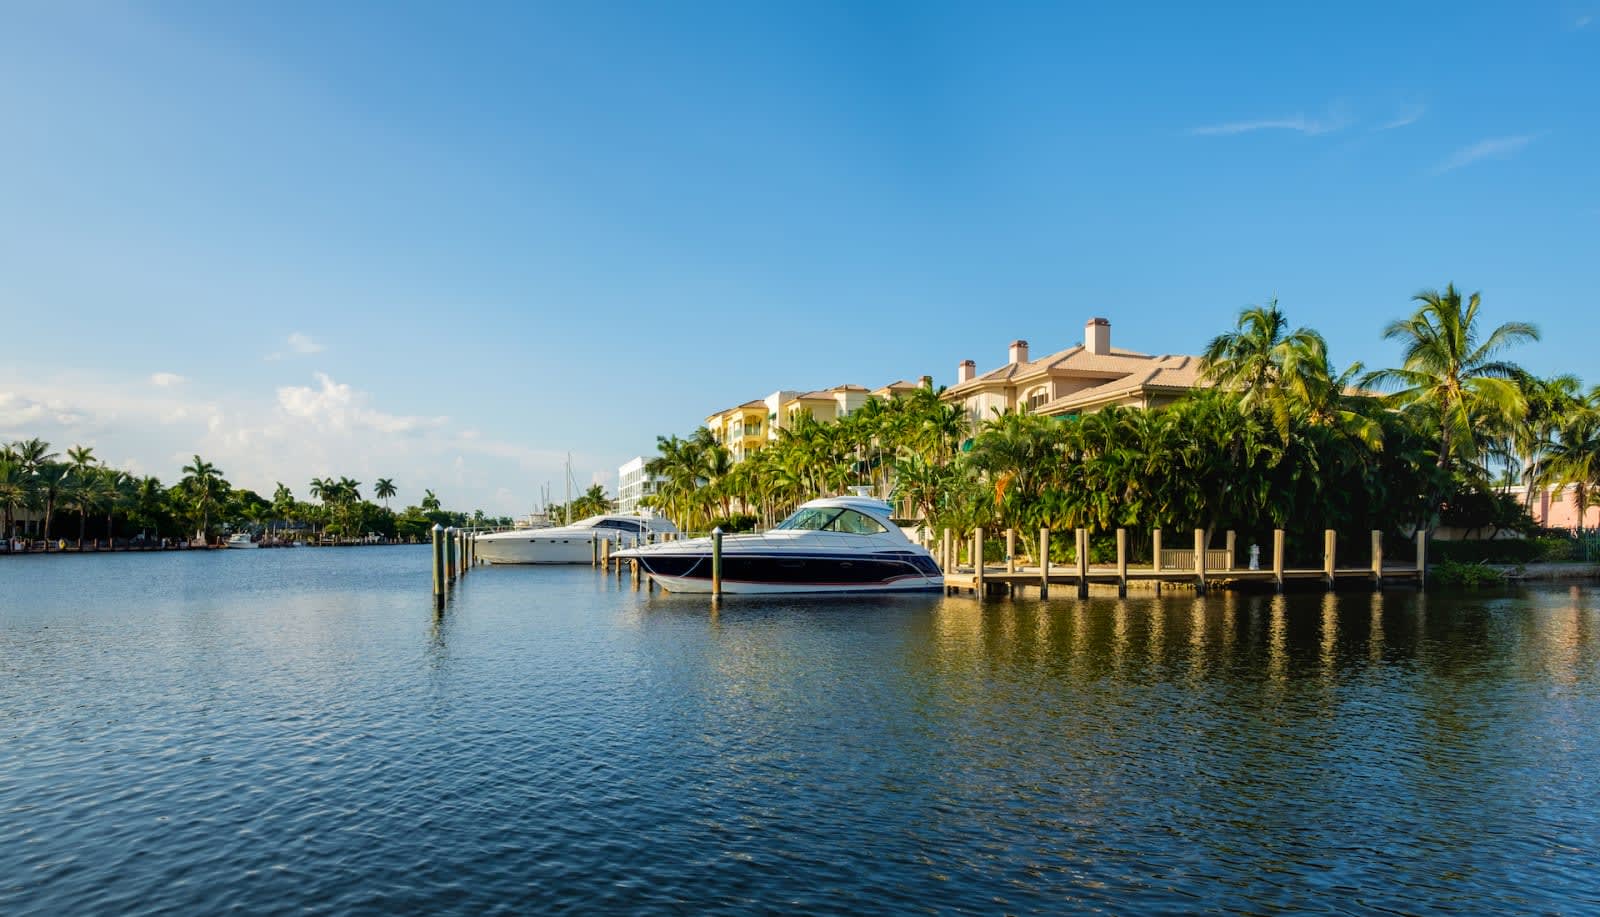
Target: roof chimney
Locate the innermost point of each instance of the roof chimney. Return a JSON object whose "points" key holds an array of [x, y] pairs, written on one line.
{"points": [[965, 370], [1097, 336], [1019, 352], [927, 383]]}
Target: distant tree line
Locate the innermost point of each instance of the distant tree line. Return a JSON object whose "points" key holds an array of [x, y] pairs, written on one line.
{"points": [[81, 497]]}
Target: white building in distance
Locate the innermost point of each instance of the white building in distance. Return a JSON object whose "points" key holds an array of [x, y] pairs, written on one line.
{"points": [[633, 485]]}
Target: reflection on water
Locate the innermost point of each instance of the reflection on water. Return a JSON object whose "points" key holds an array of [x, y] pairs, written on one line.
{"points": [[301, 731]]}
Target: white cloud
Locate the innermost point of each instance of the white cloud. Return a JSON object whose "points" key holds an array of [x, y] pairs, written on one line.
{"points": [[1411, 114], [1493, 148], [166, 380], [19, 413], [300, 344], [1298, 123], [337, 406]]}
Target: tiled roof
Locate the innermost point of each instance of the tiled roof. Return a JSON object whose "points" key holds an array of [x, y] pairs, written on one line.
{"points": [[1075, 359], [1171, 373]]}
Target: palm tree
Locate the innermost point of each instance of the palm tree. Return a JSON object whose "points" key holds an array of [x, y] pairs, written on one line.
{"points": [[33, 454], [384, 490], [1450, 375], [430, 503], [81, 458], [593, 502], [1269, 365], [205, 487], [16, 491], [1574, 459], [51, 480], [1551, 403]]}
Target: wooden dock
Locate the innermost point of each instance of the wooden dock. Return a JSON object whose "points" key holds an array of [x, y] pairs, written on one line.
{"points": [[1199, 568]]}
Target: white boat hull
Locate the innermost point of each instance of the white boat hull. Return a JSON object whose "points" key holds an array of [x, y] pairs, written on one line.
{"points": [[534, 549]]}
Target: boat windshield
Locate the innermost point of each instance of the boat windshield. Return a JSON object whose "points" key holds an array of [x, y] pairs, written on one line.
{"points": [[832, 519]]}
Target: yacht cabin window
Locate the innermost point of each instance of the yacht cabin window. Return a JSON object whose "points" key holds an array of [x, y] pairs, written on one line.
{"points": [[832, 519]]}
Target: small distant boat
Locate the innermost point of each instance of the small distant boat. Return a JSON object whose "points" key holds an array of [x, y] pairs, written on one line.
{"points": [[241, 540], [570, 544], [832, 545]]}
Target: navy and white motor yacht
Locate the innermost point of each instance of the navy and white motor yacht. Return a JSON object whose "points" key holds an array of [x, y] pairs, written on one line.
{"points": [[832, 545]]}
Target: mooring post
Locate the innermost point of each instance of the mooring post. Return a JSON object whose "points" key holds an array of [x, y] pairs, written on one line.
{"points": [[594, 550], [438, 563], [1122, 562], [1233, 543], [1329, 545], [945, 559], [635, 565], [1044, 562], [1011, 550], [716, 563], [1377, 558], [1155, 550], [977, 560], [1082, 557], [450, 554], [1422, 558], [1200, 561], [1277, 559]]}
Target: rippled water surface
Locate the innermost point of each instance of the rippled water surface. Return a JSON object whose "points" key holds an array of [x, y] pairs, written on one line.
{"points": [[279, 731]]}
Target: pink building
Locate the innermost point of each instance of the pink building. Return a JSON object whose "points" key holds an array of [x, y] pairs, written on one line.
{"points": [[1557, 508]]}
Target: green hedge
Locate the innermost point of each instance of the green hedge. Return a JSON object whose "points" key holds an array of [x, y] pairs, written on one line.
{"points": [[1547, 548]]}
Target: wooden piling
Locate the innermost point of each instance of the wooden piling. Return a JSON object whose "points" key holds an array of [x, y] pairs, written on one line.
{"points": [[945, 558], [1232, 545], [605, 554], [1122, 562], [450, 555], [1329, 547], [1155, 546], [1277, 559], [1422, 558], [635, 564], [1200, 561], [438, 563], [716, 563], [1044, 562], [594, 550], [1377, 558], [1011, 550], [977, 560], [1081, 555]]}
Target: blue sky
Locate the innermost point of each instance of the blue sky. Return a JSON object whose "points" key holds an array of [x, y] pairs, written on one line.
{"points": [[448, 244]]}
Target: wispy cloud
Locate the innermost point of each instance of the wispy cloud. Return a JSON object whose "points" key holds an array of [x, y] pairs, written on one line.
{"points": [[1298, 123], [300, 344], [1582, 22], [166, 380], [1411, 114], [1493, 148]]}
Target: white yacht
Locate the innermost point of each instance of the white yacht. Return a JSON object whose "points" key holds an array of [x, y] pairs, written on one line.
{"points": [[571, 544], [832, 545], [241, 540]]}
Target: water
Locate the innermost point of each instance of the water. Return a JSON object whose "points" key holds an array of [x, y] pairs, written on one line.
{"points": [[279, 731]]}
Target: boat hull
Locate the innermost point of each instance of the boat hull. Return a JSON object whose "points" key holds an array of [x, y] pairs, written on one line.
{"points": [[795, 573], [533, 549]]}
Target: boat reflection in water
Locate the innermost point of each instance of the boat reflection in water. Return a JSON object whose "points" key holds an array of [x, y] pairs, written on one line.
{"points": [[832, 545]]}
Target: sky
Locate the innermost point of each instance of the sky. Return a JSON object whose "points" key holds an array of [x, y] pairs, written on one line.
{"points": [[450, 244]]}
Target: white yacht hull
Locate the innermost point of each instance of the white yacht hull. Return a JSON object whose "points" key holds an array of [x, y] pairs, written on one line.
{"points": [[532, 548]]}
